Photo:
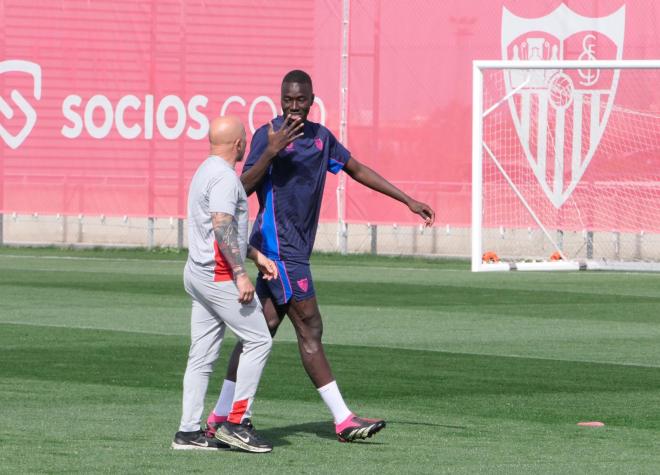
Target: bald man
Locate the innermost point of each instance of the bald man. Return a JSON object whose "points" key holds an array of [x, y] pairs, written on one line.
{"points": [[222, 293]]}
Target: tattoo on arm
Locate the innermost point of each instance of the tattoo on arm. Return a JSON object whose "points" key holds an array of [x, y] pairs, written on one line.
{"points": [[226, 233]]}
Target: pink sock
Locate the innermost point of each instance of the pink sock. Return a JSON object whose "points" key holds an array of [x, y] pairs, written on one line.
{"points": [[216, 419]]}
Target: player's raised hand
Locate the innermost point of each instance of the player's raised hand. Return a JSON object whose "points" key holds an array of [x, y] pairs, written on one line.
{"points": [[245, 288], [424, 210], [290, 131]]}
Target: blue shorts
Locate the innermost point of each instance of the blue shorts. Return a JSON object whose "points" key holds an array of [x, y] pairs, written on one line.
{"points": [[293, 280]]}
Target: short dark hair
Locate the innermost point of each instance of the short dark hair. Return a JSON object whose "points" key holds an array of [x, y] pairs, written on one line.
{"points": [[298, 76]]}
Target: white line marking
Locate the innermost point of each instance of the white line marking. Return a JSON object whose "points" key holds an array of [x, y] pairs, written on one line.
{"points": [[314, 265], [182, 262], [88, 258], [84, 327], [293, 340]]}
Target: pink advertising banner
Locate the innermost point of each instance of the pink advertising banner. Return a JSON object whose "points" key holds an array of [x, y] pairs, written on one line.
{"points": [[105, 104]]}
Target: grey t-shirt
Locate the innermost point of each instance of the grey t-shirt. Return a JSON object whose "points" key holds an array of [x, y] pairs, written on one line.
{"points": [[215, 187]]}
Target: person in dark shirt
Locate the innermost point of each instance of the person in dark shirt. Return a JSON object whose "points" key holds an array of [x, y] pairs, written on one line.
{"points": [[287, 165]]}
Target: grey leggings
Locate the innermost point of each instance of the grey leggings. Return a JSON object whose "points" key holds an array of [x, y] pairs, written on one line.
{"points": [[215, 306]]}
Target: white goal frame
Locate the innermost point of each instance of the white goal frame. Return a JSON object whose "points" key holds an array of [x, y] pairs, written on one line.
{"points": [[479, 148]]}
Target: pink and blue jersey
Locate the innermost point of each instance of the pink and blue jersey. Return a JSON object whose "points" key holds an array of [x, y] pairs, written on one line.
{"points": [[290, 193]]}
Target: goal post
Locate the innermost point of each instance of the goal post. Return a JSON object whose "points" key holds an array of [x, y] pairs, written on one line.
{"points": [[566, 165]]}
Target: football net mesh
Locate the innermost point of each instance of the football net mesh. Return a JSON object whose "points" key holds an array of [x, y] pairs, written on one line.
{"points": [[571, 163]]}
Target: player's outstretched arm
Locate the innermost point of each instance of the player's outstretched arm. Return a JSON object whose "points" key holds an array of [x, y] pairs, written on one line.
{"points": [[290, 131], [226, 234], [369, 178]]}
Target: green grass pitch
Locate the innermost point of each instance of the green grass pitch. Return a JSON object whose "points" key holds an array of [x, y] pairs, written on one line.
{"points": [[475, 373]]}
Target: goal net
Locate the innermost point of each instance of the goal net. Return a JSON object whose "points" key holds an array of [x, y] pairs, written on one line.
{"points": [[566, 165]]}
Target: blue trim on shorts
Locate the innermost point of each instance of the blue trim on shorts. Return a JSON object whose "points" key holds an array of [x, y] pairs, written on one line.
{"points": [[284, 278], [268, 226], [294, 281]]}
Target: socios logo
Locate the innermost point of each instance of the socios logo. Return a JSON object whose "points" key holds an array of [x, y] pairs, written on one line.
{"points": [[131, 116], [33, 70], [151, 112]]}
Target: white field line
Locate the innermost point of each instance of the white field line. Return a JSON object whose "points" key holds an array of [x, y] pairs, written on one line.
{"points": [[87, 327], [370, 266], [182, 262], [291, 340], [87, 258]]}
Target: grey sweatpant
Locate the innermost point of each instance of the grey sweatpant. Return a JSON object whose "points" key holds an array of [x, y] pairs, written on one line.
{"points": [[215, 306]]}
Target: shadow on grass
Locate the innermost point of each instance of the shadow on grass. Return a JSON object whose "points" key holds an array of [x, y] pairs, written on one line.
{"points": [[324, 430], [427, 424]]}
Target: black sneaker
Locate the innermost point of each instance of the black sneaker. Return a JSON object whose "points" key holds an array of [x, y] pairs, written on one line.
{"points": [[358, 428], [211, 428], [195, 441], [242, 436]]}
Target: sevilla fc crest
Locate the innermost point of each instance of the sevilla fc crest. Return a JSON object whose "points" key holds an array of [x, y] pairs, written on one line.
{"points": [[560, 115], [303, 284]]}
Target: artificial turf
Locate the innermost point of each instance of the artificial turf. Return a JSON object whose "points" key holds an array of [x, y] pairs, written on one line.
{"points": [[474, 373]]}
